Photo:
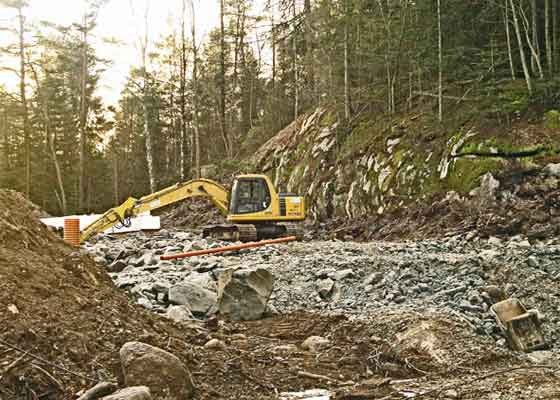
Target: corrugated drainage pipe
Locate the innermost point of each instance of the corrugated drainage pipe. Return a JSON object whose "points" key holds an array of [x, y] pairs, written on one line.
{"points": [[72, 231]]}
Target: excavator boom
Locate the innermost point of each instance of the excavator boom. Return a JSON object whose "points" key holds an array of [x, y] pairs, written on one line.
{"points": [[132, 207]]}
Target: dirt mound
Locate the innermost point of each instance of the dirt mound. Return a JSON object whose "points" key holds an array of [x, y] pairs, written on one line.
{"points": [[62, 308], [18, 222], [191, 213]]}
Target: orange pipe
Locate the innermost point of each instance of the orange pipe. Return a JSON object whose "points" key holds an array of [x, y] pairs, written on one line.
{"points": [[228, 248]]}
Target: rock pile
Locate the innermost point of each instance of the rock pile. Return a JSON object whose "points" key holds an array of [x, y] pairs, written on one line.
{"points": [[182, 289], [459, 276]]}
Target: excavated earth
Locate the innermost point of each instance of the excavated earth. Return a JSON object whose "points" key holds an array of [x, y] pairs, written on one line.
{"points": [[522, 201], [401, 320]]}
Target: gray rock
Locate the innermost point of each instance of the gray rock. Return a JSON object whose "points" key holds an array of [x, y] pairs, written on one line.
{"points": [[182, 236], [100, 260], [494, 241], [116, 266], [552, 170], [243, 294], [199, 299], [162, 372], [137, 262], [342, 275], [325, 287], [541, 357], [150, 259], [180, 313], [161, 287], [488, 187], [215, 344], [315, 343], [285, 348], [270, 311], [324, 273], [204, 280], [144, 302], [373, 279], [131, 393], [533, 262]]}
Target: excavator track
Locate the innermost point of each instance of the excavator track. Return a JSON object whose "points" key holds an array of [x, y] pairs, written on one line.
{"points": [[294, 230], [250, 232], [231, 232]]}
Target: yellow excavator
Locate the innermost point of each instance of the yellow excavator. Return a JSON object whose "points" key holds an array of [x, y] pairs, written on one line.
{"points": [[253, 208]]}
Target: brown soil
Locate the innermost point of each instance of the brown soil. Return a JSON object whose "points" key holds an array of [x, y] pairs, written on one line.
{"points": [[67, 311], [62, 311], [191, 213]]}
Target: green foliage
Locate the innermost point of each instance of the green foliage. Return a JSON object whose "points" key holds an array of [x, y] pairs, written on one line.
{"points": [[465, 173], [513, 100], [552, 119]]}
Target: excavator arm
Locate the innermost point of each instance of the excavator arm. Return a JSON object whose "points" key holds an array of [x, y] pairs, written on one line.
{"points": [[132, 207]]}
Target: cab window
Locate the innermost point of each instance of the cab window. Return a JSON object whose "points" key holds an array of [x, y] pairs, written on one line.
{"points": [[249, 196]]}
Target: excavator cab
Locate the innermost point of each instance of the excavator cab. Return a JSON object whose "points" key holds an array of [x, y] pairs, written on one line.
{"points": [[257, 211], [253, 199], [249, 195]]}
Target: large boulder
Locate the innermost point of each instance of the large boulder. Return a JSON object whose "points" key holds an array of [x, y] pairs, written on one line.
{"points": [[162, 372], [487, 189], [552, 170], [243, 293], [179, 313], [199, 299], [130, 393], [202, 279]]}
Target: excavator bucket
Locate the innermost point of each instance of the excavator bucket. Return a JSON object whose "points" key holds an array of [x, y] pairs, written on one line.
{"points": [[521, 326]]}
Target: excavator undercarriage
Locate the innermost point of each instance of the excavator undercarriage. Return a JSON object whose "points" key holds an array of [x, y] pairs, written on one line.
{"points": [[251, 232]]}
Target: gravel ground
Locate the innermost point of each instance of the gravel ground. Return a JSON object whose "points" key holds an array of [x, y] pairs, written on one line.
{"points": [[458, 276]]}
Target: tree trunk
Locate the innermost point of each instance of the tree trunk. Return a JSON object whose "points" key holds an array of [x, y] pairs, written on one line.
{"points": [[115, 162], [183, 89], [508, 39], [521, 49], [273, 50], [145, 103], [534, 36], [295, 65], [555, 34], [548, 40], [196, 128], [25, 112], [534, 50], [309, 52], [347, 108], [440, 65], [4, 153], [83, 118], [222, 83], [51, 146]]}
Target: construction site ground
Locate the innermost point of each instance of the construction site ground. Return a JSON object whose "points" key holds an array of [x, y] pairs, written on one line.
{"points": [[63, 320]]}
